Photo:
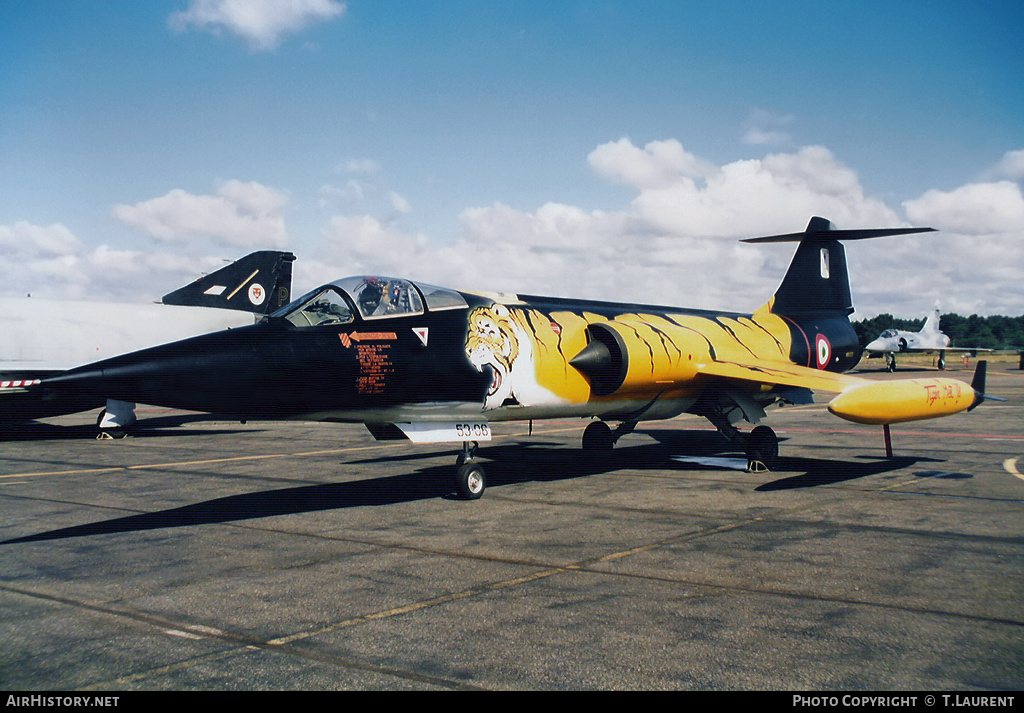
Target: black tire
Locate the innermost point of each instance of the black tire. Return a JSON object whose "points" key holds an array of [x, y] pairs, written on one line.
{"points": [[762, 447], [597, 436], [470, 481]]}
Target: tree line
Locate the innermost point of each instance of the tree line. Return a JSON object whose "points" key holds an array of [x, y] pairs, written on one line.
{"points": [[995, 332]]}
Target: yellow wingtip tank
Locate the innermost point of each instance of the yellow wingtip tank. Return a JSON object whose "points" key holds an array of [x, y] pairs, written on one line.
{"points": [[886, 402]]}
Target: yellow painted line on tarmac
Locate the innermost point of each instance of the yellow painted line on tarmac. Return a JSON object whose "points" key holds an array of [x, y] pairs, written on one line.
{"points": [[208, 461], [1006, 373], [416, 606], [1010, 465]]}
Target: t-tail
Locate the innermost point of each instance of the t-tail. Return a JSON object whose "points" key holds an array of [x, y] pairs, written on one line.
{"points": [[815, 296], [260, 282]]}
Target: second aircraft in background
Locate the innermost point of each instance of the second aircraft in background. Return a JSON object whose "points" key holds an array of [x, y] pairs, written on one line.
{"points": [[929, 339]]}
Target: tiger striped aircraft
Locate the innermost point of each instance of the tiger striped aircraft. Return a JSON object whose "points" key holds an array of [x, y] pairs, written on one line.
{"points": [[430, 364]]}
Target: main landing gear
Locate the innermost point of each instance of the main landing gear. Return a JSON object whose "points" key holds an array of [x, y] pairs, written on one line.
{"points": [[761, 444], [470, 480], [598, 435], [762, 450]]}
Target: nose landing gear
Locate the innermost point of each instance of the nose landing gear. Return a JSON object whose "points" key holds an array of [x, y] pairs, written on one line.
{"points": [[470, 479]]}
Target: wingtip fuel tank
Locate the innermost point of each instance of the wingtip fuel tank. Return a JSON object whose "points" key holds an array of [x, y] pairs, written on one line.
{"points": [[887, 402]]}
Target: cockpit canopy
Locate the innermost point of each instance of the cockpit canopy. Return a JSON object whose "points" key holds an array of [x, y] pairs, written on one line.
{"points": [[367, 297], [888, 334]]}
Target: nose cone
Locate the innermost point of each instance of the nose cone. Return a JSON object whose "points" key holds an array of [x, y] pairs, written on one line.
{"points": [[208, 373], [879, 345]]}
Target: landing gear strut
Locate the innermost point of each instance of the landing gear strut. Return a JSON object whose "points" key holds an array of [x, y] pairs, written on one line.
{"points": [[761, 445], [470, 480]]}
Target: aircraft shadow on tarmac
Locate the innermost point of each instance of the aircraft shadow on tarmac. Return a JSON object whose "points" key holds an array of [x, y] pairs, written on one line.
{"points": [[506, 464], [156, 427]]}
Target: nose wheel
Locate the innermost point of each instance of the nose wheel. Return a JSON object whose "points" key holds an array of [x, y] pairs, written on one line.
{"points": [[470, 480]]}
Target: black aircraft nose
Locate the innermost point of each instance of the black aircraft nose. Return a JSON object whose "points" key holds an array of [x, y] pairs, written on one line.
{"points": [[216, 372]]}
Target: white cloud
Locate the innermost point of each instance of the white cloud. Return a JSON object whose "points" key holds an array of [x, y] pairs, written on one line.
{"points": [[766, 128], [676, 244], [50, 262], [399, 203], [359, 165], [751, 197], [262, 23], [658, 164], [242, 215], [1011, 166], [365, 245], [26, 241], [973, 209], [760, 137]]}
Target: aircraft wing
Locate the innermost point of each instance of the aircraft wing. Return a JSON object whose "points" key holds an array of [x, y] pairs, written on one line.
{"points": [[780, 374]]}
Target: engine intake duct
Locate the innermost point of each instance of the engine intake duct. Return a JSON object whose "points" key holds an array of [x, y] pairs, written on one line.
{"points": [[603, 360]]}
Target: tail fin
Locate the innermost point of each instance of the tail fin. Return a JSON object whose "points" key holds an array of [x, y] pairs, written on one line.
{"points": [[931, 322], [260, 282], [817, 280]]}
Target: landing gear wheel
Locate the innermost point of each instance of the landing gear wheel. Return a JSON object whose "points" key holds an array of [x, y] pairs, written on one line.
{"points": [[597, 436], [110, 433], [762, 450], [890, 363], [470, 480], [942, 363]]}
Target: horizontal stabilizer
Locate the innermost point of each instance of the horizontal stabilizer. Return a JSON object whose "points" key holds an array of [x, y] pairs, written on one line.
{"points": [[823, 229]]}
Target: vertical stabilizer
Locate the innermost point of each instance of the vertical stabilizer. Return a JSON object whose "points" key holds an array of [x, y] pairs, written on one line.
{"points": [[931, 322], [817, 281], [260, 282]]}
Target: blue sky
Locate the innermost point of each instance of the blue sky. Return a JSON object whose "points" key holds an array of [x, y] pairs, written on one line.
{"points": [[598, 149]]}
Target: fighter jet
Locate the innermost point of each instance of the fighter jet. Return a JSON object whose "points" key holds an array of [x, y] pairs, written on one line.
{"points": [[929, 339], [40, 337], [431, 364]]}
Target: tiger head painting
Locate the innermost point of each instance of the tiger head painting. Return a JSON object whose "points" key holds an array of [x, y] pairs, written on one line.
{"points": [[500, 338]]}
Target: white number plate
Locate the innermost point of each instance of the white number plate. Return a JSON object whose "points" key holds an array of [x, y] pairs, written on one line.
{"points": [[433, 432]]}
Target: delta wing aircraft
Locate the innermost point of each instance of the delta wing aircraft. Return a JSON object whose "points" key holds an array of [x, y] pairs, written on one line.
{"points": [[40, 337], [430, 364], [929, 339]]}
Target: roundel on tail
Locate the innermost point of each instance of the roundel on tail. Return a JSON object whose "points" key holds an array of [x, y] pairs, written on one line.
{"points": [[823, 350]]}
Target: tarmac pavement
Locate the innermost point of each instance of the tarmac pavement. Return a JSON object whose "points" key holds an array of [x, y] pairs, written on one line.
{"points": [[201, 554]]}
